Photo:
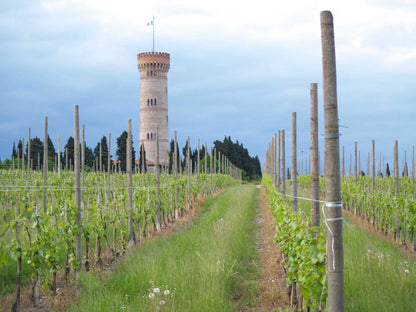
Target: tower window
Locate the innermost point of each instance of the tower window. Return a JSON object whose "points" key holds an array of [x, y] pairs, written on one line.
{"points": [[148, 136], [151, 73], [155, 73], [148, 101], [151, 136], [151, 102], [148, 73], [155, 102]]}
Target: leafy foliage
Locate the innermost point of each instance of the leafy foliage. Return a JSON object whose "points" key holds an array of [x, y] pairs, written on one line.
{"points": [[304, 253]]}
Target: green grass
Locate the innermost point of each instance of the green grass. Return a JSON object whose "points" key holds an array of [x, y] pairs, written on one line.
{"points": [[375, 276], [212, 266]]}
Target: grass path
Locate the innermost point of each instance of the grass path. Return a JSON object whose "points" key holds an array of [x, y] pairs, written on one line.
{"points": [[212, 266]]}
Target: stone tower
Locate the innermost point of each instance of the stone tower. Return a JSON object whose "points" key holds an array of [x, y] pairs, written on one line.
{"points": [[154, 67]]}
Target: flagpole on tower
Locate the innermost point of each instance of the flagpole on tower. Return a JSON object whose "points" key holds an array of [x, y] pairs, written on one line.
{"points": [[153, 24]]}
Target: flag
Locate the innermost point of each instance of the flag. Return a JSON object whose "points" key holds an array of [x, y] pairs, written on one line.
{"points": [[150, 23]]}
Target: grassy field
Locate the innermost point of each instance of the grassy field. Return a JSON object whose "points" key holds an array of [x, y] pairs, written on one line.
{"points": [[209, 267]]}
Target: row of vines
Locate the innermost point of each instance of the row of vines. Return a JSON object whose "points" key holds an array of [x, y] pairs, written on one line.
{"points": [[42, 238], [388, 211], [303, 249]]}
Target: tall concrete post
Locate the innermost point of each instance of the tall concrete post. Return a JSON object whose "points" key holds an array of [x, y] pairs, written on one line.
{"points": [[283, 162], [334, 244], [314, 156], [294, 166]]}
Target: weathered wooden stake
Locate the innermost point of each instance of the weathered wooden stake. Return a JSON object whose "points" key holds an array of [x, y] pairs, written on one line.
{"points": [[158, 212], [129, 172], [294, 166], [397, 187], [189, 164], [278, 160], [175, 171], [314, 156], [28, 156], [45, 163], [59, 156], [413, 170], [283, 163], [77, 187], [355, 163], [343, 162], [334, 246], [83, 165]]}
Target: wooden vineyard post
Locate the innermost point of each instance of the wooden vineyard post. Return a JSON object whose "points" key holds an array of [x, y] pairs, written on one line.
{"points": [[175, 171], [355, 163], [350, 172], [23, 156], [275, 160], [343, 162], [28, 156], [77, 189], [189, 164], [66, 158], [373, 176], [314, 166], [59, 156], [109, 168], [205, 157], [294, 166], [215, 162], [129, 182], [45, 163], [198, 162], [397, 187], [101, 160], [83, 165], [210, 169], [206, 168], [278, 161], [143, 165], [283, 163], [158, 214], [333, 221], [413, 170], [219, 162]]}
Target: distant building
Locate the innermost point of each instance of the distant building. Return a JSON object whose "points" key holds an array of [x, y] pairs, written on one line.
{"points": [[154, 67]]}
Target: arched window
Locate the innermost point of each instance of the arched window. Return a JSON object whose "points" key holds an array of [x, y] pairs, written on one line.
{"points": [[148, 101], [151, 102], [148, 73], [155, 102], [151, 136], [151, 73], [148, 136], [155, 73]]}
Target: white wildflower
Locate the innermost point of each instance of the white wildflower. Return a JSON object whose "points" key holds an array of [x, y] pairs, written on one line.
{"points": [[166, 292], [161, 302], [406, 271], [156, 290], [151, 295]]}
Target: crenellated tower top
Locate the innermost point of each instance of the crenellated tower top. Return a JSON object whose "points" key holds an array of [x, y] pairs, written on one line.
{"points": [[159, 61]]}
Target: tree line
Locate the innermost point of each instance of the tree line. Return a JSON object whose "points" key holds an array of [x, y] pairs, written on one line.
{"points": [[235, 152]]}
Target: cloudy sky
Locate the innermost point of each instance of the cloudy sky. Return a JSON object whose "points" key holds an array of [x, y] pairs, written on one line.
{"points": [[237, 69]]}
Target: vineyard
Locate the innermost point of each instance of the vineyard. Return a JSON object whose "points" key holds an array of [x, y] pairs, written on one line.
{"points": [[345, 242], [39, 224]]}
